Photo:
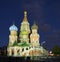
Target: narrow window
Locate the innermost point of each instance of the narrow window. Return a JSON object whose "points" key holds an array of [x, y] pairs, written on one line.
{"points": [[22, 49], [26, 48]]}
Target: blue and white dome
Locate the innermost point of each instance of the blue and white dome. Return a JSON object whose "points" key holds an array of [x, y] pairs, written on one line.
{"points": [[13, 27]]}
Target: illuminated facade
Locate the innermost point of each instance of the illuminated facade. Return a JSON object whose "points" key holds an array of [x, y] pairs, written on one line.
{"points": [[28, 44]]}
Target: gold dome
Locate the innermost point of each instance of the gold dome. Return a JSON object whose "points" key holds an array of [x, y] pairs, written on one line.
{"points": [[25, 13]]}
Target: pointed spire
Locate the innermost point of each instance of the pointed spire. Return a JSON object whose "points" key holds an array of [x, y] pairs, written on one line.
{"points": [[25, 16], [25, 13]]}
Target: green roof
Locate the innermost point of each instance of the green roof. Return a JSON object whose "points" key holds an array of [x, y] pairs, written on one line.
{"points": [[23, 44], [24, 32], [15, 44]]}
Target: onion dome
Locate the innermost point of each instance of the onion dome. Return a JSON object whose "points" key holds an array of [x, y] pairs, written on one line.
{"points": [[34, 26], [13, 28]]}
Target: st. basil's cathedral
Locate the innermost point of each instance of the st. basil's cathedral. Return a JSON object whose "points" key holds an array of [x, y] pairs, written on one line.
{"points": [[29, 40]]}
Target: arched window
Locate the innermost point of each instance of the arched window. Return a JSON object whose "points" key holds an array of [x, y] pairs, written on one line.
{"points": [[22, 49], [12, 52], [26, 48]]}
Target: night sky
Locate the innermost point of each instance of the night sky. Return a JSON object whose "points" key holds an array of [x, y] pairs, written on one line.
{"points": [[46, 14]]}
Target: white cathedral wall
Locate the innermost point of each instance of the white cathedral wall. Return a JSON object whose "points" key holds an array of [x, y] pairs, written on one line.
{"points": [[15, 49], [12, 38], [37, 51], [34, 38], [25, 25], [13, 33]]}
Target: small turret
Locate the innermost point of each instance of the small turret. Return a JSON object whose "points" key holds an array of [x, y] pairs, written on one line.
{"points": [[13, 34], [34, 36]]}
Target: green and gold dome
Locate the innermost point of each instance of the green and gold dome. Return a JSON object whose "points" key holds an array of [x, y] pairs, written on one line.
{"points": [[34, 26]]}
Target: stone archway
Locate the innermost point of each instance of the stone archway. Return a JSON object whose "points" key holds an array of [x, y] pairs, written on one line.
{"points": [[12, 52]]}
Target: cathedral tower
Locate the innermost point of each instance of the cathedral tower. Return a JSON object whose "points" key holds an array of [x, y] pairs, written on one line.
{"points": [[34, 37], [13, 34], [25, 29]]}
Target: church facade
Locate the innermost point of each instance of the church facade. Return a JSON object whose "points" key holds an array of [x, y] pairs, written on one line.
{"points": [[29, 43]]}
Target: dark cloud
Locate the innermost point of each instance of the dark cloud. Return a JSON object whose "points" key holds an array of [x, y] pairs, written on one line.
{"points": [[53, 38], [57, 32], [45, 28]]}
